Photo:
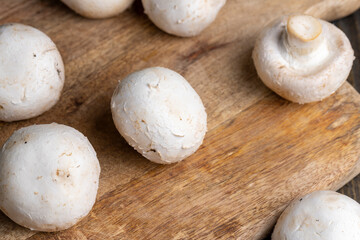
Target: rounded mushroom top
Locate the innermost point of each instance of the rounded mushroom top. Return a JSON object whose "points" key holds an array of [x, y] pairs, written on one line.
{"points": [[321, 215], [159, 114], [185, 18], [49, 177], [98, 8], [31, 72], [302, 58]]}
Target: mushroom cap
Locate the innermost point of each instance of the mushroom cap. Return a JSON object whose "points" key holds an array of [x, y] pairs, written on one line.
{"points": [[49, 177], [98, 8], [159, 114], [184, 18], [31, 72], [321, 215], [303, 78]]}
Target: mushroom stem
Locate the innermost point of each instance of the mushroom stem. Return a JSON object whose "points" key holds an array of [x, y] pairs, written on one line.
{"points": [[303, 35]]}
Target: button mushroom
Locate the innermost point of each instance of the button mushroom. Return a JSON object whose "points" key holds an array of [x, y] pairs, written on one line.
{"points": [[322, 215], [49, 177], [184, 18], [159, 114], [98, 8], [31, 72], [303, 59]]}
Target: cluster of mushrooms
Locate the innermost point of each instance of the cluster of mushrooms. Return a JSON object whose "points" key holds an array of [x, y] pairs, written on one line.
{"points": [[45, 170]]}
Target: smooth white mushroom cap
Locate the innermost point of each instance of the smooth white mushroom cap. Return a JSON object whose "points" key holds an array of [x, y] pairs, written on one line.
{"points": [[303, 59], [98, 8], [159, 114], [49, 177], [321, 215], [31, 72], [183, 18]]}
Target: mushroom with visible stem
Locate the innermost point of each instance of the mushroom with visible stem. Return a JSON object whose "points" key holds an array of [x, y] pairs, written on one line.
{"points": [[303, 59], [31, 72], [321, 215], [98, 8], [159, 114], [49, 176], [184, 18]]}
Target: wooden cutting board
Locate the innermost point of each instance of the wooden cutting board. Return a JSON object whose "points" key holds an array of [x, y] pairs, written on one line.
{"points": [[260, 152]]}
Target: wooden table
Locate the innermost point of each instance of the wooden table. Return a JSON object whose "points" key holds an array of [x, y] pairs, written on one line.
{"points": [[202, 197]]}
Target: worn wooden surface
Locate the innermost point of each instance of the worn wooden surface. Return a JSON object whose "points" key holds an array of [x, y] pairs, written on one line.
{"points": [[259, 153]]}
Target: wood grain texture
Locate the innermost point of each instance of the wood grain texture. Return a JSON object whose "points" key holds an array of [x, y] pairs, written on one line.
{"points": [[259, 153]]}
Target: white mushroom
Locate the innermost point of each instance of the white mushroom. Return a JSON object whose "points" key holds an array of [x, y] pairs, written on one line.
{"points": [[183, 18], [321, 215], [98, 8], [49, 177], [303, 59], [31, 72], [159, 114]]}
